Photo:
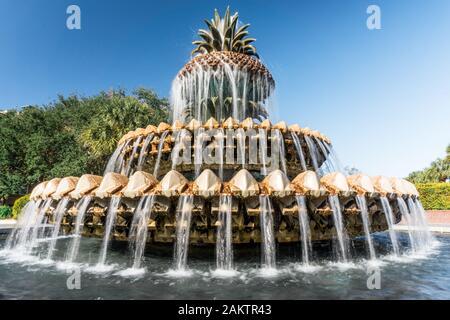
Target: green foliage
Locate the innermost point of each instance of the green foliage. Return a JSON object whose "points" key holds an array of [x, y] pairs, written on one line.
{"points": [[434, 196], [5, 212], [69, 137], [438, 171], [18, 205]]}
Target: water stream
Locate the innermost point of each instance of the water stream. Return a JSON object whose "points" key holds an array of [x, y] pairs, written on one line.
{"points": [[305, 231], [183, 222], [267, 232], [390, 222], [298, 148], [362, 206], [341, 233], [144, 152], [110, 220], [139, 228], [74, 245], [58, 215], [224, 245]]}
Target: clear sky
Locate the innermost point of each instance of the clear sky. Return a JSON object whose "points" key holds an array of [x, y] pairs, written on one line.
{"points": [[382, 96]]}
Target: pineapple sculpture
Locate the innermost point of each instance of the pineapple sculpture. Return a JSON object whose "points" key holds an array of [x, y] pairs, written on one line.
{"points": [[225, 88]]}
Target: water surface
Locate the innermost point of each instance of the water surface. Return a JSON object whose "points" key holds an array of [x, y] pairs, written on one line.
{"points": [[419, 276]]}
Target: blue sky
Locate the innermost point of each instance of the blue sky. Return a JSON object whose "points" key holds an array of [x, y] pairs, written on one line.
{"points": [[382, 96]]}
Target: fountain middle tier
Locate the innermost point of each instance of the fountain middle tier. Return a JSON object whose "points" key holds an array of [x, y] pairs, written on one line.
{"points": [[244, 192], [223, 147]]}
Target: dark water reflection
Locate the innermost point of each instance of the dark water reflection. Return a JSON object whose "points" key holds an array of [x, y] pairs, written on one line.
{"points": [[423, 276]]}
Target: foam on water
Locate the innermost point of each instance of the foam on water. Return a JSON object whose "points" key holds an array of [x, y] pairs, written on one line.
{"points": [[224, 273], [307, 268], [179, 273], [131, 272], [101, 268], [267, 272]]}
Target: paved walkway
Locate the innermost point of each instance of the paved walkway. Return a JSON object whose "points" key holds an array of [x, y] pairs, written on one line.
{"points": [[438, 221], [7, 223]]}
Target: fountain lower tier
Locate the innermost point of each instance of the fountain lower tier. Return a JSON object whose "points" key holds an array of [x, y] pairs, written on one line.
{"points": [[245, 215]]}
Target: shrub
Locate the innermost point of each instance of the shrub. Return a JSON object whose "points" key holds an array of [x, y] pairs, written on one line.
{"points": [[5, 212], [434, 196], [19, 204]]}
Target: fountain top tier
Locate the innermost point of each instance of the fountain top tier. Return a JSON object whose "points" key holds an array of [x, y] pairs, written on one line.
{"points": [[214, 60], [225, 79], [242, 185]]}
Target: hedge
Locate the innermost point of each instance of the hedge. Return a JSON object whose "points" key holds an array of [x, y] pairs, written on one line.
{"points": [[19, 204], [434, 196], [5, 212]]}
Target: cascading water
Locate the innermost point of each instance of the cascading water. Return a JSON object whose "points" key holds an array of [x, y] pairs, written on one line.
{"points": [[422, 216], [241, 137], [298, 148], [267, 232], [224, 245], [332, 155], [26, 221], [424, 237], [116, 160], [139, 228], [30, 240], [128, 169], [183, 222], [305, 230], [313, 153], [221, 145], [220, 91], [58, 216], [143, 153], [280, 140], [341, 233], [405, 213], [328, 164], [362, 206], [175, 155], [110, 220], [390, 222], [263, 150], [198, 149], [160, 149], [74, 246]]}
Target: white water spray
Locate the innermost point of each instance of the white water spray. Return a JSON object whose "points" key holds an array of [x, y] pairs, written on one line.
{"points": [[139, 228], [362, 206], [74, 246], [390, 222], [183, 221], [224, 245], [305, 230], [341, 233], [267, 232], [110, 220]]}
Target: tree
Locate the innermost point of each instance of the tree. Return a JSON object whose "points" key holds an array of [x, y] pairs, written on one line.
{"points": [[71, 136], [438, 171], [116, 116]]}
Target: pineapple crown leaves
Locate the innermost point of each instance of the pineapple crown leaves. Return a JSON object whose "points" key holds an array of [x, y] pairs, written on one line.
{"points": [[224, 34]]}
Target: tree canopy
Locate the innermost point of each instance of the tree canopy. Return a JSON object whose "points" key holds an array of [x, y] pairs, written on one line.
{"points": [[71, 136], [438, 171]]}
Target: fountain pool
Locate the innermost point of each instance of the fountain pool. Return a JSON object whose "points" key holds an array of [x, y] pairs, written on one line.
{"points": [[418, 276]]}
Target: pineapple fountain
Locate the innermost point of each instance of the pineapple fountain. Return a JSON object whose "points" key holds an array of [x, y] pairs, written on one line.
{"points": [[221, 175]]}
